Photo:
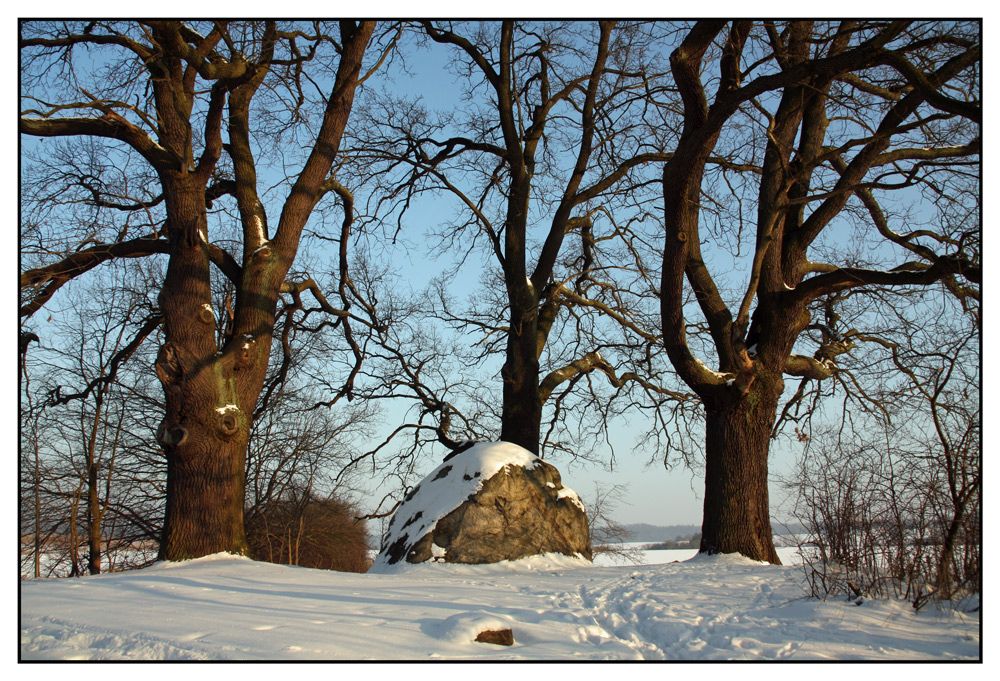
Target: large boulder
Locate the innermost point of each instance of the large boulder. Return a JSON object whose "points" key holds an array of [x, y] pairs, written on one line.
{"points": [[489, 503]]}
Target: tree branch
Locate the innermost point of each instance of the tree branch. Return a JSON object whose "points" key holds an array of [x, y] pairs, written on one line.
{"points": [[111, 126], [150, 325]]}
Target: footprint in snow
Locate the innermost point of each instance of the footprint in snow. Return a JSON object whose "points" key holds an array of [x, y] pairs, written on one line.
{"points": [[194, 635], [787, 650]]}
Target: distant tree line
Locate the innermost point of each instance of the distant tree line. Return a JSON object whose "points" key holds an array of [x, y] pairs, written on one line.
{"points": [[691, 542]]}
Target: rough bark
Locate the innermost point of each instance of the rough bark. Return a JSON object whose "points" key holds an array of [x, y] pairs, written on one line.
{"points": [[204, 513], [737, 515], [522, 402]]}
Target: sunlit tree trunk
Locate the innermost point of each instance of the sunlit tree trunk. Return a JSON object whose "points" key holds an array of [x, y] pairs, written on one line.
{"points": [[737, 516], [205, 429]]}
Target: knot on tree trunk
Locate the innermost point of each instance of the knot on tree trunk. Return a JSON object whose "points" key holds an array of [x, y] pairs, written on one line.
{"points": [[168, 368], [229, 419], [246, 349], [171, 436], [747, 374], [744, 379]]}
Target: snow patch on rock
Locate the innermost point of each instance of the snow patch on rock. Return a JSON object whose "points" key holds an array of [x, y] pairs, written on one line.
{"points": [[567, 493], [463, 627]]}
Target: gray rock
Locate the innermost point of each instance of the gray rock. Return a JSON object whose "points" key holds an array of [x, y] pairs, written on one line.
{"points": [[493, 502]]}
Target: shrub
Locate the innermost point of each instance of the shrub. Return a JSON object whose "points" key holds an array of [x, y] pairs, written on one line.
{"points": [[309, 531], [879, 524]]}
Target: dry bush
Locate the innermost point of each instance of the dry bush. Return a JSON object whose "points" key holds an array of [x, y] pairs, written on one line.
{"points": [[608, 536], [309, 531], [876, 522], [891, 496]]}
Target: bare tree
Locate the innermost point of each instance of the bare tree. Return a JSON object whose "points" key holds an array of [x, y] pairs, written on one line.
{"points": [[173, 98], [84, 428], [607, 535], [542, 168], [825, 127]]}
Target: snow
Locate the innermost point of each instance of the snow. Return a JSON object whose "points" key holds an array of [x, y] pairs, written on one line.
{"points": [[717, 374], [259, 226], [465, 626], [567, 493], [447, 486], [226, 607]]}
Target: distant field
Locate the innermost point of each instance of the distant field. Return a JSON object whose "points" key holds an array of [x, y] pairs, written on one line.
{"points": [[788, 555]]}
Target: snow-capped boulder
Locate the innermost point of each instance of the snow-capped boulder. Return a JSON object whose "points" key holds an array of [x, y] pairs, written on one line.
{"points": [[489, 503]]}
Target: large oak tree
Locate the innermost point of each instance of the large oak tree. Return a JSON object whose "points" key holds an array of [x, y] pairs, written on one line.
{"points": [[830, 128], [181, 97]]}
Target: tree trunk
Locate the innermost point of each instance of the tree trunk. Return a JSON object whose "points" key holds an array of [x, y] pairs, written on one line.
{"points": [[93, 499], [74, 537], [93, 520], [204, 434], [522, 405], [737, 516], [210, 395], [205, 483], [944, 584], [37, 489]]}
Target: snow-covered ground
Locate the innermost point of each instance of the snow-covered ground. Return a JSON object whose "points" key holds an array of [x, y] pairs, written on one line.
{"points": [[229, 608]]}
